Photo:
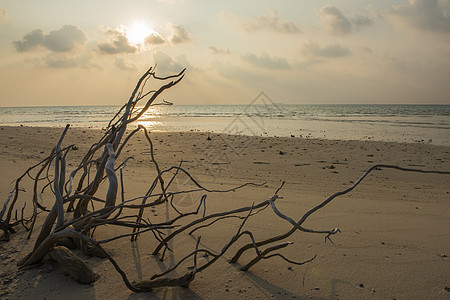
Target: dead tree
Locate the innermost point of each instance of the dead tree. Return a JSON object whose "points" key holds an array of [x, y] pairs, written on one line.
{"points": [[70, 223]]}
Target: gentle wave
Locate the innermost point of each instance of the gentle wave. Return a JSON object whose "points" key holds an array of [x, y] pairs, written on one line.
{"points": [[401, 123]]}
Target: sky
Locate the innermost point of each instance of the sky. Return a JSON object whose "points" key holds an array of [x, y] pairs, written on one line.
{"points": [[88, 52]]}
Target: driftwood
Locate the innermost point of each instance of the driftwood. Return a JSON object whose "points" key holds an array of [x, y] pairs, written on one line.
{"points": [[72, 265], [70, 222]]}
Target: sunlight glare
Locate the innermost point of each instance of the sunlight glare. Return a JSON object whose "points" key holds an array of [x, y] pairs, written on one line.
{"points": [[150, 125], [137, 33]]}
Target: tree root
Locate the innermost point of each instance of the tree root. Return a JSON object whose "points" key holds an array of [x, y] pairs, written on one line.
{"points": [[72, 265]]}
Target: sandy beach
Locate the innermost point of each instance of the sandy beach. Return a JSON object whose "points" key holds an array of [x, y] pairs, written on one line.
{"points": [[394, 241]]}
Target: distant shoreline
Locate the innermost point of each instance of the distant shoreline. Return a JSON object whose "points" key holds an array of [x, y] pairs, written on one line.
{"points": [[227, 104], [398, 123]]}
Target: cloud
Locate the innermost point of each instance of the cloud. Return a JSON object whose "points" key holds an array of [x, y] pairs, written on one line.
{"points": [[334, 19], [155, 39], [330, 51], [270, 22], [237, 73], [179, 35], [166, 65], [3, 15], [265, 61], [427, 15], [337, 23], [121, 64], [119, 44], [307, 63], [63, 60], [61, 44], [65, 39], [30, 41], [360, 21], [215, 50]]}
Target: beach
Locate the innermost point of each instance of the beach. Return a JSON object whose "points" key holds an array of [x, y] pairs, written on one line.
{"points": [[394, 241], [427, 124]]}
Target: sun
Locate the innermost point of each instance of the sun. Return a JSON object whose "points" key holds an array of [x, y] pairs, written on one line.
{"points": [[137, 32]]}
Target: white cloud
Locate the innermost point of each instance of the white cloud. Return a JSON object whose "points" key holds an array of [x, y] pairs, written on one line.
{"points": [[155, 39], [337, 23], [428, 15], [118, 44], [166, 65], [265, 61], [61, 43], [329, 51], [65, 39], [179, 35], [30, 41], [270, 22]]}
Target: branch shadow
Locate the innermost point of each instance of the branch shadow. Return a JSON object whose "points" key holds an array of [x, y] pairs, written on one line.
{"points": [[268, 289]]}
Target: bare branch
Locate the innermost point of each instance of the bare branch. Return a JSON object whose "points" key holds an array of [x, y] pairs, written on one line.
{"points": [[79, 193]]}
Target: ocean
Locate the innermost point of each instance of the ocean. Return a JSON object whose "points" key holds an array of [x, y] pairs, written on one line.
{"points": [[399, 123]]}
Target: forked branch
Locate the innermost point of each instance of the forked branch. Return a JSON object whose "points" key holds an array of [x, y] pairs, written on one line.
{"points": [[79, 208]]}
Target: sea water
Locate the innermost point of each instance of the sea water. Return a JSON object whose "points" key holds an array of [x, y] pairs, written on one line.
{"points": [[398, 123]]}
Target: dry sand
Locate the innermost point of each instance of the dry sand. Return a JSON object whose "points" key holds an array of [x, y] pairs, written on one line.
{"points": [[395, 225]]}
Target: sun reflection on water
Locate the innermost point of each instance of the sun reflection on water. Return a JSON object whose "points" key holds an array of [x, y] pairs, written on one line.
{"points": [[150, 125], [149, 118]]}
